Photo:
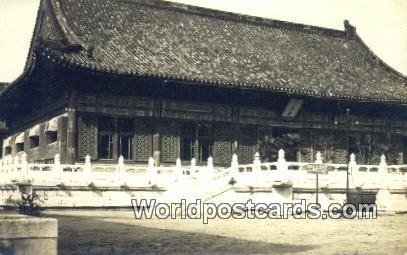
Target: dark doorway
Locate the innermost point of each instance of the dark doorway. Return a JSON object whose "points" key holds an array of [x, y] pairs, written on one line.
{"points": [[196, 142], [287, 139]]}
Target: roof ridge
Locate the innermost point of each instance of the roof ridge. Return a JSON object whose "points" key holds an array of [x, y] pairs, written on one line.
{"points": [[348, 33], [77, 55]]}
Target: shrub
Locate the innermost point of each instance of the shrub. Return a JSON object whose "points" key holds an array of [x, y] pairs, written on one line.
{"points": [[154, 187], [92, 186], [124, 186], [29, 204]]}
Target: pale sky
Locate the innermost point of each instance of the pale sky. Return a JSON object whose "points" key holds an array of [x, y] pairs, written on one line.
{"points": [[382, 24]]}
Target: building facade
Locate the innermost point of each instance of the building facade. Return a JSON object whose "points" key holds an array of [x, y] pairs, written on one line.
{"points": [[143, 79]]}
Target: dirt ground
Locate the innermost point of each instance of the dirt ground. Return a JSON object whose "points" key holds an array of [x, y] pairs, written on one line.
{"points": [[117, 232]]}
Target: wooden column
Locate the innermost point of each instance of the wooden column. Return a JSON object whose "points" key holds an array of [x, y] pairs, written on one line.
{"points": [[71, 136], [196, 145], [157, 148], [115, 140], [236, 128], [62, 133], [71, 123], [156, 134]]}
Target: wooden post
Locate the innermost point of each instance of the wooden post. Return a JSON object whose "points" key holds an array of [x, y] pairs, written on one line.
{"points": [[156, 134], [348, 126], [115, 140], [353, 170], [71, 136], [195, 153], [157, 148], [71, 124], [317, 189], [62, 133], [317, 161]]}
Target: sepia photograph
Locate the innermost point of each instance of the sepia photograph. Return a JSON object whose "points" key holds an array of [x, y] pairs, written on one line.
{"points": [[203, 127]]}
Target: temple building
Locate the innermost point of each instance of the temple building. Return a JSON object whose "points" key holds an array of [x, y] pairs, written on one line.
{"points": [[150, 78]]}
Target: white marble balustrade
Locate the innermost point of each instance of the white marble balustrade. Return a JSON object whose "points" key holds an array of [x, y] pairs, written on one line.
{"points": [[257, 174]]}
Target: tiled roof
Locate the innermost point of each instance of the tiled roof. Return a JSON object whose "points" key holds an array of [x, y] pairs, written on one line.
{"points": [[3, 85], [160, 39]]}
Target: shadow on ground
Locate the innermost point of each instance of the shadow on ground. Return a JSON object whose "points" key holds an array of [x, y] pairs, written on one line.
{"points": [[86, 235]]}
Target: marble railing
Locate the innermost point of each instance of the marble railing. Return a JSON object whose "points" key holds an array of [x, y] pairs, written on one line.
{"points": [[257, 174], [100, 174], [303, 175]]}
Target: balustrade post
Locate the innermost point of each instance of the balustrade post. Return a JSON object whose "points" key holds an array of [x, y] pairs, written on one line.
{"points": [[209, 169], [281, 162], [352, 164], [57, 163], [383, 165], [193, 166], [353, 171], [256, 161], [121, 167], [88, 165], [318, 158], [88, 168], [178, 168], [57, 169], [234, 164], [383, 172], [151, 170]]}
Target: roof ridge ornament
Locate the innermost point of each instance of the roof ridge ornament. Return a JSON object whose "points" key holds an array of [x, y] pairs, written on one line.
{"points": [[349, 29], [123, 47]]}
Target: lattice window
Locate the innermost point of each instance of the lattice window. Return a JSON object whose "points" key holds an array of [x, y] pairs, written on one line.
{"points": [[223, 144], [170, 142], [143, 140], [87, 137], [247, 144]]}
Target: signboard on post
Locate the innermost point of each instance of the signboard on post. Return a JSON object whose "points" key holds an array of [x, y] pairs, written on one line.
{"points": [[315, 168]]}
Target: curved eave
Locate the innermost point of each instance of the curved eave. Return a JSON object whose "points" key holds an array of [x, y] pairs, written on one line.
{"points": [[378, 59], [30, 60], [20, 79], [73, 40], [95, 69]]}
